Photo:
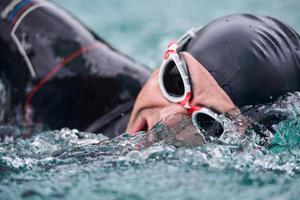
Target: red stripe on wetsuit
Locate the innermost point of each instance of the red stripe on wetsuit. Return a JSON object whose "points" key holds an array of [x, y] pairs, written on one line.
{"points": [[51, 73]]}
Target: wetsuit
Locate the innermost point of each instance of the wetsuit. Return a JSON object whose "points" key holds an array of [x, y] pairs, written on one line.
{"points": [[254, 59], [56, 72]]}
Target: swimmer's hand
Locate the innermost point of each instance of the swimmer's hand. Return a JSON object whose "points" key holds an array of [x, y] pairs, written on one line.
{"points": [[151, 106]]}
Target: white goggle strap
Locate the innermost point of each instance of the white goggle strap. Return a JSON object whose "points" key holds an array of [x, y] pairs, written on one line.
{"points": [[187, 36]]}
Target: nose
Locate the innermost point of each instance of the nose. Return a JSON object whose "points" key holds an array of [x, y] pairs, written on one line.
{"points": [[169, 115]]}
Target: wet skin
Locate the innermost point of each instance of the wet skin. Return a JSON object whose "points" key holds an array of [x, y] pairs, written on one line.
{"points": [[152, 107], [176, 130]]}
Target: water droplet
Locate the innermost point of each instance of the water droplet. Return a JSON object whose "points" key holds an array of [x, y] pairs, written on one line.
{"points": [[224, 43]]}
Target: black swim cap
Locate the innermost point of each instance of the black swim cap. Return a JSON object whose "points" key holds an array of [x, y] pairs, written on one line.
{"points": [[254, 59]]}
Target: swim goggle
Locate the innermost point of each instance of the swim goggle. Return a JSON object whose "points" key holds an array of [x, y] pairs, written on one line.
{"points": [[175, 85]]}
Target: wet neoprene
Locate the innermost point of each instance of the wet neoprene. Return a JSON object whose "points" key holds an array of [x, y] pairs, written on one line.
{"points": [[65, 74]]}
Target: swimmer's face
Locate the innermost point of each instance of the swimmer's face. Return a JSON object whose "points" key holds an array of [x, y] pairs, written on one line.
{"points": [[152, 107]]}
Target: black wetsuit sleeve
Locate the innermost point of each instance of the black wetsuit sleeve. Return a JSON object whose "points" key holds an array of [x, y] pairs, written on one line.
{"points": [[61, 73]]}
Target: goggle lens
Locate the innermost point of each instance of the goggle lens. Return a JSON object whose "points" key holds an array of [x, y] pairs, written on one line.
{"points": [[172, 80], [209, 127]]}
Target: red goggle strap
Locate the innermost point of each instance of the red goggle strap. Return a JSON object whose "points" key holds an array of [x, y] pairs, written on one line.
{"points": [[171, 49], [186, 104]]}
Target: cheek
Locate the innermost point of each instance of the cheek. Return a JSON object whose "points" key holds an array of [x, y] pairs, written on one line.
{"points": [[150, 91]]}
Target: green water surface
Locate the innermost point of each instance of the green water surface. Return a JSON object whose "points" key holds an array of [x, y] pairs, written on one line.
{"points": [[142, 28], [67, 164]]}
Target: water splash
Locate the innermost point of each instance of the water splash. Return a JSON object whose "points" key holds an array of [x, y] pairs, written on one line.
{"points": [[73, 165]]}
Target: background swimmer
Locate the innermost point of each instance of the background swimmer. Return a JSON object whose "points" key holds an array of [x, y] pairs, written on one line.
{"points": [[56, 73]]}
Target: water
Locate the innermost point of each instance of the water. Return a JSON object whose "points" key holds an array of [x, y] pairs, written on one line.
{"points": [[67, 164], [142, 28]]}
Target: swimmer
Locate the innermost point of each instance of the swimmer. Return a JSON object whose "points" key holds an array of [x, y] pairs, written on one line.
{"points": [[57, 73], [234, 61]]}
